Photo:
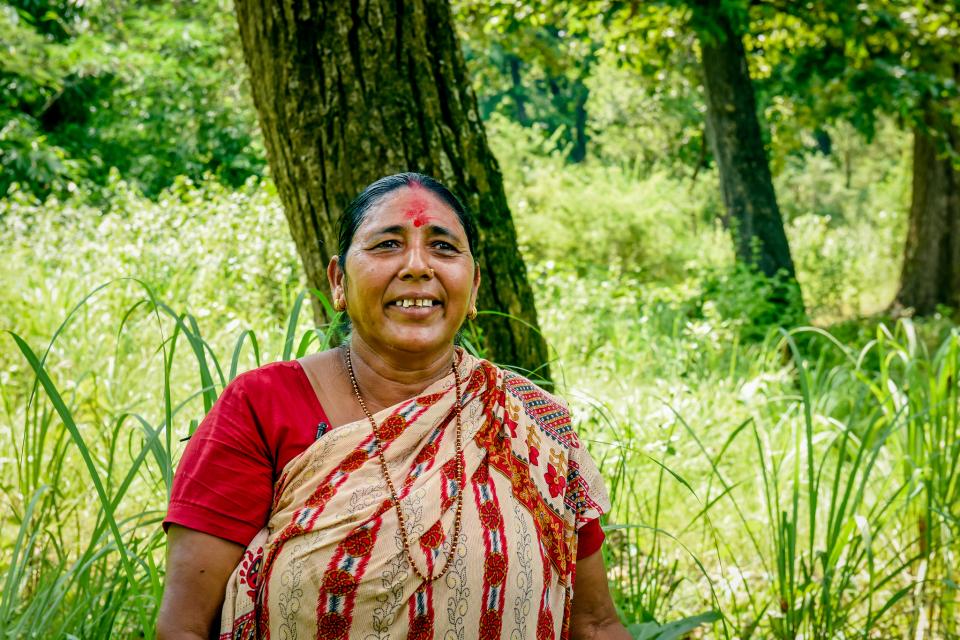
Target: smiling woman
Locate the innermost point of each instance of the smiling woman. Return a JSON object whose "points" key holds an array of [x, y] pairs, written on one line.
{"points": [[395, 487], [413, 275]]}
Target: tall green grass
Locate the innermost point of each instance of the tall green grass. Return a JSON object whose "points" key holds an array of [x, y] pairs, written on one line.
{"points": [[79, 571], [810, 504], [922, 386], [802, 485], [826, 508]]}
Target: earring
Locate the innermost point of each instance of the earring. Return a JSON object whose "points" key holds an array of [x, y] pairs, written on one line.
{"points": [[472, 314], [339, 304]]}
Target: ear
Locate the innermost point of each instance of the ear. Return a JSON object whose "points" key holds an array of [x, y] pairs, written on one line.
{"points": [[476, 284], [337, 279]]}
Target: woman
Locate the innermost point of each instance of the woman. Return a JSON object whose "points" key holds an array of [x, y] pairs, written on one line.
{"points": [[396, 487]]}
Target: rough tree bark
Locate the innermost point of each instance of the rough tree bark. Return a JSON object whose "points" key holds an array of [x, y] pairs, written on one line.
{"points": [[931, 265], [733, 131], [350, 91]]}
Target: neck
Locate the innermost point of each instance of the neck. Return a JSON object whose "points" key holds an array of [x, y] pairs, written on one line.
{"points": [[384, 382]]}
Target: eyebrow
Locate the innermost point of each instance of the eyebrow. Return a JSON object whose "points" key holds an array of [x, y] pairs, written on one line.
{"points": [[393, 229], [437, 230]]}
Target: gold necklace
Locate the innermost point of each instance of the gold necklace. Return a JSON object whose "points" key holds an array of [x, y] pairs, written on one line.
{"points": [[461, 475]]}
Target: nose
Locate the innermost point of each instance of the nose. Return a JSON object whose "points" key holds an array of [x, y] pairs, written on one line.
{"points": [[416, 265]]}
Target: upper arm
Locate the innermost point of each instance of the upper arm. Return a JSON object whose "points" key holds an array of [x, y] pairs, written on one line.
{"points": [[198, 567], [224, 481], [593, 614]]}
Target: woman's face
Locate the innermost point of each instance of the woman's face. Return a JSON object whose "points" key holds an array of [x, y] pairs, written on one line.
{"points": [[410, 276]]}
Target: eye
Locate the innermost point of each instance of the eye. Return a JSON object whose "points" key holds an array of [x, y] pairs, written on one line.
{"points": [[387, 244], [443, 245]]}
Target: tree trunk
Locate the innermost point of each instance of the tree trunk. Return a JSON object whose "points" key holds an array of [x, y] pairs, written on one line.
{"points": [[931, 265], [517, 91], [734, 134], [581, 93], [348, 92], [824, 141]]}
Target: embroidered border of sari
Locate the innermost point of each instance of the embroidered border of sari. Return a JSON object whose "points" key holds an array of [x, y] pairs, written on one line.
{"points": [[330, 563]]}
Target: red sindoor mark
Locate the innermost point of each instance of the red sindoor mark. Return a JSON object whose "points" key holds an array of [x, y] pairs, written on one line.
{"points": [[416, 210]]}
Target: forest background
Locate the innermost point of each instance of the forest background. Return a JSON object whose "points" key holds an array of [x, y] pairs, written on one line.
{"points": [[739, 223]]}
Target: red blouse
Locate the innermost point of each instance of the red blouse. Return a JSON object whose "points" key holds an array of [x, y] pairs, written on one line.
{"points": [[263, 419]]}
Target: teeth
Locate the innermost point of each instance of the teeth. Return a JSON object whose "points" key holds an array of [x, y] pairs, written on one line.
{"points": [[414, 302]]}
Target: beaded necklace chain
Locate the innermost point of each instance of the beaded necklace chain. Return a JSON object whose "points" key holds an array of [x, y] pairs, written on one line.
{"points": [[393, 492]]}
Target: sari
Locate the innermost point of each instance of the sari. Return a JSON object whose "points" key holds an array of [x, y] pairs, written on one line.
{"points": [[330, 563]]}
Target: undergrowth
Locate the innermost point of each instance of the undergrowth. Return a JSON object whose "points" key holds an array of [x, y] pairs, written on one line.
{"points": [[766, 482]]}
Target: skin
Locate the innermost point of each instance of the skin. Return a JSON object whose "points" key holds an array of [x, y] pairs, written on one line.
{"points": [[198, 567], [410, 245], [593, 615]]}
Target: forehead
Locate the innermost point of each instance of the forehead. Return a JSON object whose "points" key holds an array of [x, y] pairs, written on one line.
{"points": [[414, 206]]}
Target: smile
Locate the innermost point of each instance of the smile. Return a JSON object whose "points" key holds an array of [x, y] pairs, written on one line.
{"points": [[414, 302]]}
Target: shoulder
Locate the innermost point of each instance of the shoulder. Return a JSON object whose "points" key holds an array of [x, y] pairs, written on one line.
{"points": [[253, 399], [272, 395], [548, 412], [275, 376], [271, 373]]}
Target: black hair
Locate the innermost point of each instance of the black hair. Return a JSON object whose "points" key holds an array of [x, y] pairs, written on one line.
{"points": [[356, 211]]}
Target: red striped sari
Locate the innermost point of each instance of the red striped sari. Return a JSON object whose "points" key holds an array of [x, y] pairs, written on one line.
{"points": [[330, 563]]}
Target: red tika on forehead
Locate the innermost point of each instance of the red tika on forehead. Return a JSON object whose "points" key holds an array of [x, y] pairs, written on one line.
{"points": [[417, 206]]}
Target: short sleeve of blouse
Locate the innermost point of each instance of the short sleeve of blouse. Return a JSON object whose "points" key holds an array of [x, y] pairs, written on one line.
{"points": [[585, 489], [224, 482]]}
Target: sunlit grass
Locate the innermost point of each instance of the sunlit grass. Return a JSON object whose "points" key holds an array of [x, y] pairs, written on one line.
{"points": [[804, 485], [791, 512]]}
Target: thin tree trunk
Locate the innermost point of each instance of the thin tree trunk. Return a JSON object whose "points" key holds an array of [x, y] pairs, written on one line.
{"points": [[824, 141], [350, 91], [579, 151], [733, 130], [931, 265], [517, 91], [847, 168]]}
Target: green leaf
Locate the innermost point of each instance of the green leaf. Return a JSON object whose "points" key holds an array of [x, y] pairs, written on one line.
{"points": [[672, 630]]}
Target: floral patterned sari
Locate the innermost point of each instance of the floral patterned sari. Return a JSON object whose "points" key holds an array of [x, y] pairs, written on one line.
{"points": [[331, 563]]}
